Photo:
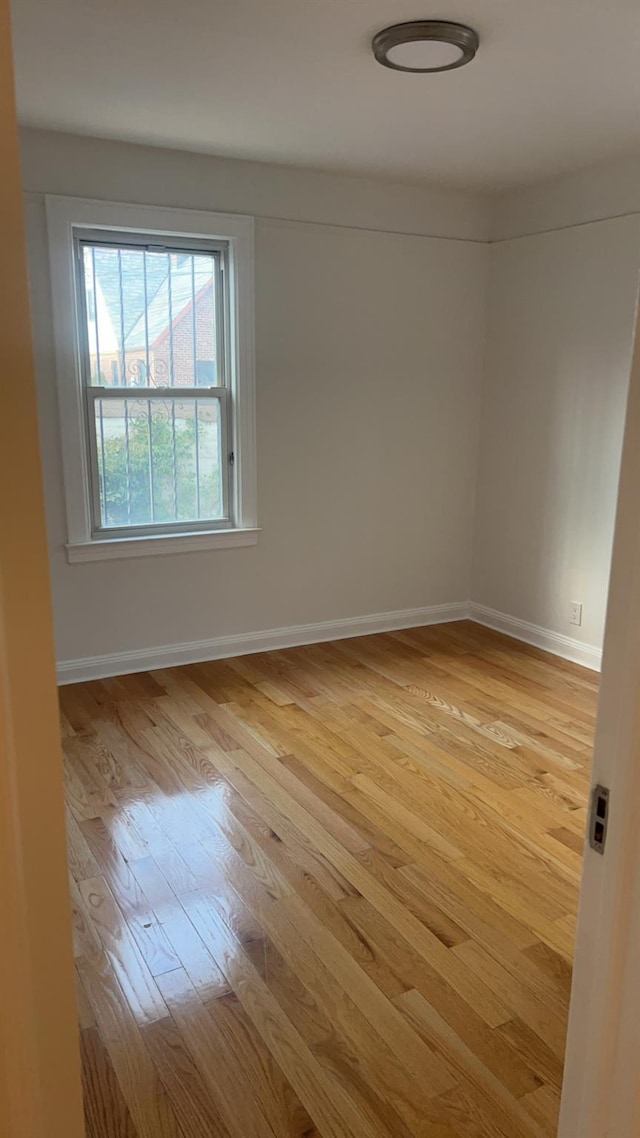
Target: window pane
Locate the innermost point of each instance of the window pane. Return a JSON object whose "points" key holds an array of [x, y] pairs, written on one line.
{"points": [[151, 317], [159, 460]]}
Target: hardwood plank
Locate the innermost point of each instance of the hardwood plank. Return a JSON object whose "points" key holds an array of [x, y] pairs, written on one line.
{"points": [[376, 837], [417, 901], [114, 867], [246, 1051], [106, 1114], [496, 1103], [533, 1050], [340, 1059], [279, 828], [544, 1106], [365, 995], [137, 1076], [124, 955], [412, 824], [486, 1043], [426, 943], [329, 892], [84, 754], [332, 1109], [568, 838], [535, 1007], [195, 1108], [410, 1096], [222, 1043], [190, 949], [82, 863], [86, 940], [121, 832], [477, 913], [86, 1018]]}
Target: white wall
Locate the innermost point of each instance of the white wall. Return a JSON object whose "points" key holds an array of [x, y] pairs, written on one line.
{"points": [[598, 193], [368, 346], [55, 163], [370, 343], [559, 336]]}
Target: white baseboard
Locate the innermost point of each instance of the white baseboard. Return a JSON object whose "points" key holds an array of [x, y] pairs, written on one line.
{"points": [[221, 647], [170, 655], [555, 642]]}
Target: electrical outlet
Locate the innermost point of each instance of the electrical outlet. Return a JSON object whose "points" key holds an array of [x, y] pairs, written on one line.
{"points": [[575, 612]]}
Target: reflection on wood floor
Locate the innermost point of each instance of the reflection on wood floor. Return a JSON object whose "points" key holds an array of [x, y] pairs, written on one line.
{"points": [[329, 891]]}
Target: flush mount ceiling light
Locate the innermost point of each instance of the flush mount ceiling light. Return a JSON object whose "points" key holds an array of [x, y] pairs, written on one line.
{"points": [[425, 45]]}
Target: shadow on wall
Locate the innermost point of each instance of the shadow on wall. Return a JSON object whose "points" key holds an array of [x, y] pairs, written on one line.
{"points": [[559, 342]]}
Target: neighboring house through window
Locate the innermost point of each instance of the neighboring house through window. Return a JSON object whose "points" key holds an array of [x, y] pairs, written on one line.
{"points": [[153, 312]]}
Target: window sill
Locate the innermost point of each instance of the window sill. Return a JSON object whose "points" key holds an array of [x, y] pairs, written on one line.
{"points": [[159, 545]]}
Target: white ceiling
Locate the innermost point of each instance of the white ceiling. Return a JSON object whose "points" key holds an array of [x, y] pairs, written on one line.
{"points": [[555, 85]]}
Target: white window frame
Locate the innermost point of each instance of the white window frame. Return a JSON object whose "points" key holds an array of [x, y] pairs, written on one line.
{"points": [[65, 218]]}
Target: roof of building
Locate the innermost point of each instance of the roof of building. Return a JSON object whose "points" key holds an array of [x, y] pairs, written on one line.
{"points": [[129, 285], [175, 294]]}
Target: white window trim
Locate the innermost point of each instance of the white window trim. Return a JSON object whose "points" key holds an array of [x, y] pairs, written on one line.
{"points": [[63, 216]]}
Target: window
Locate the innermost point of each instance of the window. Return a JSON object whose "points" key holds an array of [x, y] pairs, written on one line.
{"points": [[153, 316]]}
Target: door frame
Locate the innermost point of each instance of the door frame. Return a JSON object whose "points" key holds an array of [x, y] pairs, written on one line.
{"points": [[40, 1091], [601, 1089]]}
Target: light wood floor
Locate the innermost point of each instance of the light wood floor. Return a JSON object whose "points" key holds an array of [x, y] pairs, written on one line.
{"points": [[329, 891]]}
